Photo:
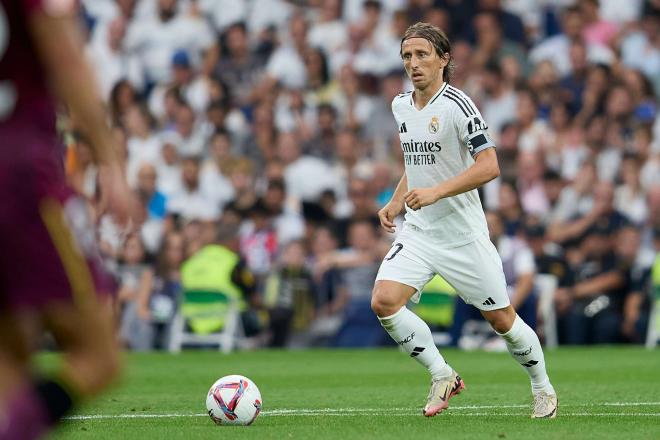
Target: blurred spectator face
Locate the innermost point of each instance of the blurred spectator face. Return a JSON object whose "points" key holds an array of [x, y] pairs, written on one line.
{"points": [[439, 18], [274, 170], [167, 9], [347, 147], [362, 236], [358, 193], [136, 122], [461, 52], [585, 178], [572, 24], [294, 255], [604, 196], [371, 14], [181, 74], [390, 86], [298, 30], [508, 197], [133, 251], [190, 173], [597, 79], [511, 70], [382, 177], [169, 154], [559, 116], [348, 81], [595, 135], [630, 171], [237, 40], [123, 96], [489, 5], [628, 240], [491, 79], [242, 178], [192, 233], [400, 22], [116, 33], [288, 149], [185, 121], [526, 108], [495, 227], [174, 250], [509, 137], [220, 147], [146, 182], [553, 188], [619, 103], [274, 196], [323, 242], [331, 10], [316, 66], [126, 7], [326, 118], [589, 9], [489, 35], [578, 56], [172, 102], [530, 167], [356, 36]]}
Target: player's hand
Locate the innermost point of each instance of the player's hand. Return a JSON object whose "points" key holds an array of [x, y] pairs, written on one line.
{"points": [[118, 197], [387, 214], [421, 197]]}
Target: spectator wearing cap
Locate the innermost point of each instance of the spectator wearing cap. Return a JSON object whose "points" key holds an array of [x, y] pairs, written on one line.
{"points": [[191, 87]]}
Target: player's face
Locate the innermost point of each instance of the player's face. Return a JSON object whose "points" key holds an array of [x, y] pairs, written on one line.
{"points": [[423, 65]]}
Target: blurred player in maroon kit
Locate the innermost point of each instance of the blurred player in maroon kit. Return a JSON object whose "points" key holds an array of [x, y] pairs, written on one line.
{"points": [[50, 273]]}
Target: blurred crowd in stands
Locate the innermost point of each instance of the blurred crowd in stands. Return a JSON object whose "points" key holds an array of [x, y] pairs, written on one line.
{"points": [[265, 127]]}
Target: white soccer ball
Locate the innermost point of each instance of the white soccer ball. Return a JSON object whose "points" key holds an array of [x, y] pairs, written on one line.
{"points": [[233, 400]]}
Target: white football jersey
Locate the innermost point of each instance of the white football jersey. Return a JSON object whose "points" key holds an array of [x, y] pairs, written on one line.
{"points": [[439, 142]]}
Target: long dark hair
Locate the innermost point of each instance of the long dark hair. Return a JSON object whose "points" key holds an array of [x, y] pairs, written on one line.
{"points": [[438, 40]]}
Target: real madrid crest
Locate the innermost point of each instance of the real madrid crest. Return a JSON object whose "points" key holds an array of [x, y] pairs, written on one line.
{"points": [[434, 125]]}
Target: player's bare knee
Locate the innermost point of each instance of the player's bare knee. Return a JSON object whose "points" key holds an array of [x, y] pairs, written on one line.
{"points": [[501, 320], [384, 302]]}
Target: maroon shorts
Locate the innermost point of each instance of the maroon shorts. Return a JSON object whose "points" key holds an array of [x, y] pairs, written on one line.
{"points": [[48, 250]]}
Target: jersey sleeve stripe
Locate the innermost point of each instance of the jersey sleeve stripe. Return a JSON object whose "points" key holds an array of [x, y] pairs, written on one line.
{"points": [[457, 103], [466, 109], [464, 98]]}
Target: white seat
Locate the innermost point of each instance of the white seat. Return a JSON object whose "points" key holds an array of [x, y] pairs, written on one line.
{"points": [[546, 285], [227, 338]]}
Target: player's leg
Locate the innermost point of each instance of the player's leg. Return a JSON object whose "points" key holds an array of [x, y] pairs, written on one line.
{"points": [[63, 298], [402, 274], [475, 271]]}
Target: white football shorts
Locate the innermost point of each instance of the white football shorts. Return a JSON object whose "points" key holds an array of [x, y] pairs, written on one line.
{"points": [[473, 269]]}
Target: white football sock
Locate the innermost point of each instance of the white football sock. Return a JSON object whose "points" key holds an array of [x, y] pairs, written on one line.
{"points": [[414, 336], [525, 348]]}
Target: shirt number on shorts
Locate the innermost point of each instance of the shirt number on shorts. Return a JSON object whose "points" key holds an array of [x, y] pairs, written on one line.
{"points": [[395, 250]]}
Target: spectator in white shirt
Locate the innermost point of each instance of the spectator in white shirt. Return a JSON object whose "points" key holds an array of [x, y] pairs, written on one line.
{"points": [[112, 63], [191, 202]]}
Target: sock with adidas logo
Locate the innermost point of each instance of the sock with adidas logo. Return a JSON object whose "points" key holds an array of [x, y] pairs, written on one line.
{"points": [[525, 347], [414, 336]]}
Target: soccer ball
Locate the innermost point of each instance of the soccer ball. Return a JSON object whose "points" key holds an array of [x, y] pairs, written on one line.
{"points": [[233, 400]]}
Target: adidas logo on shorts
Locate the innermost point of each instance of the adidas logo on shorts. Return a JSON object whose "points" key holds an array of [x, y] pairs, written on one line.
{"points": [[489, 302]]}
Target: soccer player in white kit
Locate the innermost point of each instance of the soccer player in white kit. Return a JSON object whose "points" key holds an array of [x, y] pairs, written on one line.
{"points": [[447, 154]]}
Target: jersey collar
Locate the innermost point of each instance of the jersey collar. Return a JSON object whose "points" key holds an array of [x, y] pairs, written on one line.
{"points": [[433, 98]]}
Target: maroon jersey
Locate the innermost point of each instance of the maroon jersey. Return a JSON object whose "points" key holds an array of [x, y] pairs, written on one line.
{"points": [[47, 246], [23, 85]]}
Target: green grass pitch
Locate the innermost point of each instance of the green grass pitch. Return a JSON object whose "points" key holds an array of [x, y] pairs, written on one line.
{"points": [[360, 394]]}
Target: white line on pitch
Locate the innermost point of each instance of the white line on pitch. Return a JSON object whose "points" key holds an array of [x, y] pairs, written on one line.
{"points": [[355, 413]]}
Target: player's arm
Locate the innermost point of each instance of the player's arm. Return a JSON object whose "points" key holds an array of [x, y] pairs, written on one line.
{"points": [[59, 44], [484, 169], [394, 207]]}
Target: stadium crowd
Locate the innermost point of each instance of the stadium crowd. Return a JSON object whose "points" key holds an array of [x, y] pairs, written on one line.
{"points": [[264, 127]]}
